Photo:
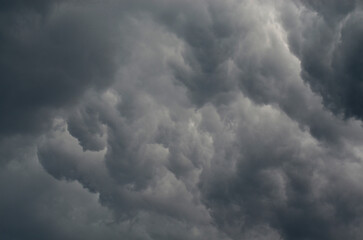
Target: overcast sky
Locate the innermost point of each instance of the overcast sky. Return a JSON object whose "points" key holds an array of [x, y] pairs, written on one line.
{"points": [[181, 119]]}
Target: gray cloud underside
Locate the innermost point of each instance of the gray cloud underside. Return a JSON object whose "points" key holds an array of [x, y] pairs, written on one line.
{"points": [[181, 119]]}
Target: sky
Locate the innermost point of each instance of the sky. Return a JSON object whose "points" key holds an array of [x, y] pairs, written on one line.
{"points": [[181, 119]]}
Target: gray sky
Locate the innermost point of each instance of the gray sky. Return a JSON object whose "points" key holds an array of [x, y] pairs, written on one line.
{"points": [[181, 119]]}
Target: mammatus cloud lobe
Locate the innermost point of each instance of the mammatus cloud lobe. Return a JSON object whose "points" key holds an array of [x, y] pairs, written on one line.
{"points": [[181, 119]]}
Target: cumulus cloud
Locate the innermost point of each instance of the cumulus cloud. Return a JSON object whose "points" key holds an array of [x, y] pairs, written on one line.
{"points": [[326, 38], [181, 119]]}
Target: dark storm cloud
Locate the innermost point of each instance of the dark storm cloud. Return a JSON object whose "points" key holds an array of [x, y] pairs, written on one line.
{"points": [[36, 206], [328, 43], [51, 53], [180, 120], [331, 10], [282, 179]]}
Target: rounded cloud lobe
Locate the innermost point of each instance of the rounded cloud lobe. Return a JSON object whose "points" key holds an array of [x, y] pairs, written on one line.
{"points": [[181, 120]]}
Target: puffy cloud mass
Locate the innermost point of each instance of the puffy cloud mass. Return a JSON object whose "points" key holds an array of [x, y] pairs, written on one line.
{"points": [[183, 119]]}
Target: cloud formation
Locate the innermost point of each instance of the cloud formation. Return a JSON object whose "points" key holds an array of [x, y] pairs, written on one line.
{"points": [[181, 119]]}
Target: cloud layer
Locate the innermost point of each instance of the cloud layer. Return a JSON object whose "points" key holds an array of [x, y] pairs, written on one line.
{"points": [[183, 119]]}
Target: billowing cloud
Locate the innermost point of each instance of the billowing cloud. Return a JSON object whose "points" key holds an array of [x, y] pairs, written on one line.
{"points": [[181, 119], [326, 38]]}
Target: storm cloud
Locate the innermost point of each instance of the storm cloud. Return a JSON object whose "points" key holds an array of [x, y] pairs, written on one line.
{"points": [[185, 119]]}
